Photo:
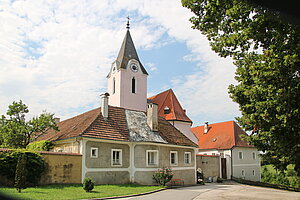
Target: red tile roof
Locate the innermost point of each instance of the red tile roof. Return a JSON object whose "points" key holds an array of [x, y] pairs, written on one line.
{"points": [[224, 135], [91, 124], [168, 99]]}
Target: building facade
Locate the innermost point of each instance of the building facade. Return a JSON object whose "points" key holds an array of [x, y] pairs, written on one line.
{"points": [[237, 157]]}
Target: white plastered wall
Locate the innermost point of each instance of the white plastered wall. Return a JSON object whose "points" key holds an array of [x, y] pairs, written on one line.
{"points": [[247, 163]]}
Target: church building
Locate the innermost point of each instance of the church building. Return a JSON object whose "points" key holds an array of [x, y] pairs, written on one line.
{"points": [[126, 140]]}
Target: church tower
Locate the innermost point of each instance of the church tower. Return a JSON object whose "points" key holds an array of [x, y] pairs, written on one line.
{"points": [[127, 79]]}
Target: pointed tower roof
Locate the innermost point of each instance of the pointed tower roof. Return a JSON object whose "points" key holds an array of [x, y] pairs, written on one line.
{"points": [[128, 52], [168, 100]]}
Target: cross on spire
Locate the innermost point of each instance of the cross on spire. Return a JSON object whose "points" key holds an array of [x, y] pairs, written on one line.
{"points": [[128, 24]]}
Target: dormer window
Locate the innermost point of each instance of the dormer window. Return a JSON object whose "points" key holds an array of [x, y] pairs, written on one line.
{"points": [[166, 110]]}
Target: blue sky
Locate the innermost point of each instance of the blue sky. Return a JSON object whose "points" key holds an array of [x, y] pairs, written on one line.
{"points": [[55, 55]]}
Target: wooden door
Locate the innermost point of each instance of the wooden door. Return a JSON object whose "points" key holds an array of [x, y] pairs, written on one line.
{"points": [[223, 168]]}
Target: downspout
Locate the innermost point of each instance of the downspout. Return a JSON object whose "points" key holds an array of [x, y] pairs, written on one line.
{"points": [[231, 164]]}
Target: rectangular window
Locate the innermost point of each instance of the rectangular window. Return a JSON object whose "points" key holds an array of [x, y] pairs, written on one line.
{"points": [[213, 154], [173, 158], [187, 158], [254, 155], [152, 157], [222, 155], [133, 85], [240, 155], [94, 152], [116, 155], [253, 172]]}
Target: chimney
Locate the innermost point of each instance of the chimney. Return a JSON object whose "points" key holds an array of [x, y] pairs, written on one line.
{"points": [[104, 106], [152, 116], [57, 120], [205, 127]]}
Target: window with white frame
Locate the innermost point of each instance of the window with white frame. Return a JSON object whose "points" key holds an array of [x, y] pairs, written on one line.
{"points": [[152, 157], [173, 158], [116, 157], [94, 152], [254, 155], [187, 158], [240, 155]]}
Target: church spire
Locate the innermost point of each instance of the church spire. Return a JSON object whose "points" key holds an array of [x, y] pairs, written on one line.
{"points": [[128, 52], [127, 79]]}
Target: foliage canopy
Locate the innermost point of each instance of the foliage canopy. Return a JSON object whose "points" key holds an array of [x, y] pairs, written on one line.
{"points": [[43, 145], [16, 132], [265, 50]]}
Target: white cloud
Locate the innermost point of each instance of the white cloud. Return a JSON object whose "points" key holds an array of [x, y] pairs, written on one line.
{"points": [[151, 67], [74, 43]]}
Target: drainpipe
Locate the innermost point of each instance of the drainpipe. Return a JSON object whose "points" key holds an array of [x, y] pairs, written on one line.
{"points": [[231, 164]]}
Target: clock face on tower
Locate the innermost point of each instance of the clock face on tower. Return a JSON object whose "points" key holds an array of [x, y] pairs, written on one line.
{"points": [[134, 67]]}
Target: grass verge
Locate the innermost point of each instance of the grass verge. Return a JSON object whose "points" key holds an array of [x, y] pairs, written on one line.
{"points": [[68, 192]]}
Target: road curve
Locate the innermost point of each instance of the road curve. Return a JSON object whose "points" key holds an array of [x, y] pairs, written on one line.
{"points": [[220, 191]]}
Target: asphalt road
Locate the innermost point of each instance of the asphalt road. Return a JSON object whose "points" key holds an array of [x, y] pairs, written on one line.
{"points": [[220, 191]]}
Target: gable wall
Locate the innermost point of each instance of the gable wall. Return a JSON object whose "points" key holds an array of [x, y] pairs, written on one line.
{"points": [[248, 164]]}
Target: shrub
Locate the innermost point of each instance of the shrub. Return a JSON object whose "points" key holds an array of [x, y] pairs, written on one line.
{"points": [[88, 184], [35, 165], [163, 176], [43, 145]]}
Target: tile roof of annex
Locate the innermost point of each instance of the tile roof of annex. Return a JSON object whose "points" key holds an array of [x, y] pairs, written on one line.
{"points": [[223, 135]]}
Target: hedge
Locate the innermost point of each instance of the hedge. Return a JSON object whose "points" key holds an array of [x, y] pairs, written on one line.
{"points": [[35, 165]]}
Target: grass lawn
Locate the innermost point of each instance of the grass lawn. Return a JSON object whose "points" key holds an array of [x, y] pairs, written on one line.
{"points": [[76, 191]]}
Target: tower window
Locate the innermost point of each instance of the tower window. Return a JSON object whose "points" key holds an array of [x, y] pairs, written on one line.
{"points": [[114, 86], [133, 83]]}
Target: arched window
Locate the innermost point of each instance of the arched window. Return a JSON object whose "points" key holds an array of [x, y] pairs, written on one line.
{"points": [[133, 83], [114, 85]]}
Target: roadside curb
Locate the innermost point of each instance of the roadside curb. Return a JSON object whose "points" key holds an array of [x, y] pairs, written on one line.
{"points": [[132, 195]]}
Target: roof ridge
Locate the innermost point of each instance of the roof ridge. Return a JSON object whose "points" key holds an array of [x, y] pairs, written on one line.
{"points": [[214, 123], [172, 103]]}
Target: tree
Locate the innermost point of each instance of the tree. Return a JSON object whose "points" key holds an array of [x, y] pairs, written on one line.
{"points": [[20, 178], [16, 132], [265, 50]]}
